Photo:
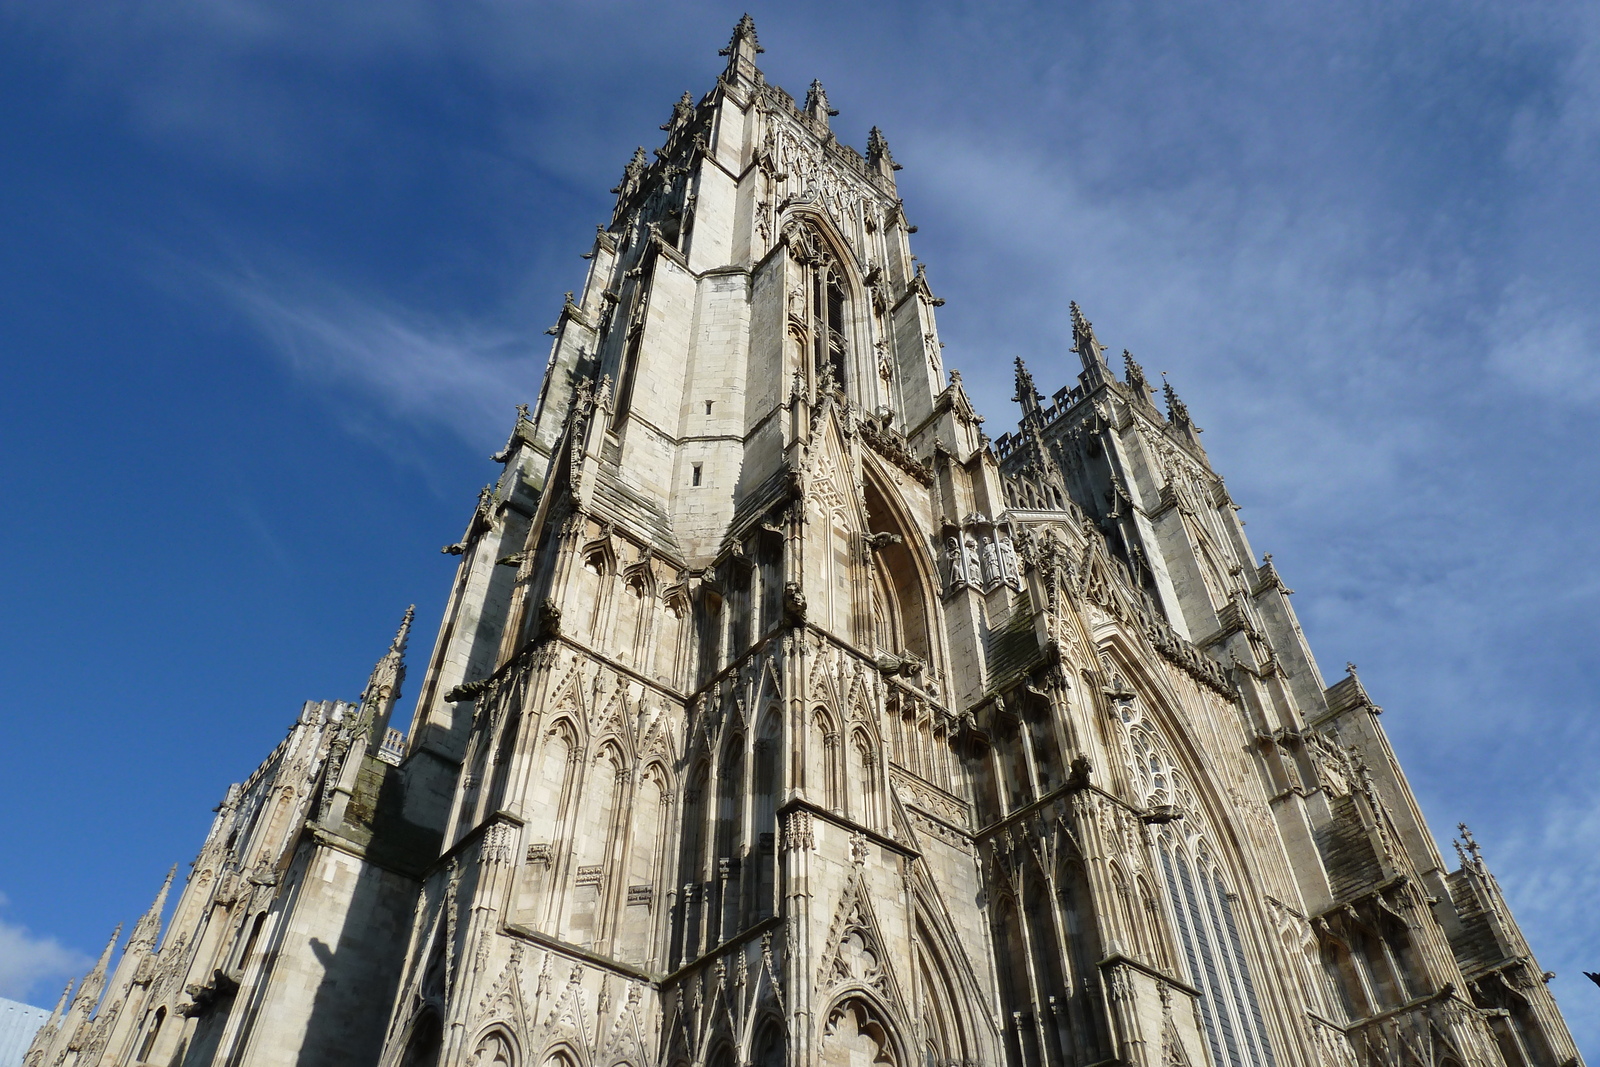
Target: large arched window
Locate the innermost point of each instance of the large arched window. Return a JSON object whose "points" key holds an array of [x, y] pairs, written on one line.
{"points": [[828, 325], [1202, 908], [1209, 932], [819, 304]]}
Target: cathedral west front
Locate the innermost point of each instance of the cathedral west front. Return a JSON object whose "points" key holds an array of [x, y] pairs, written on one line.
{"points": [[780, 716]]}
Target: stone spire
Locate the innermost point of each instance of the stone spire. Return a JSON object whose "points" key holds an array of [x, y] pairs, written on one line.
{"points": [[1177, 410], [1133, 374], [1089, 349], [61, 1004], [1026, 395], [46, 1036], [94, 982], [148, 928], [383, 686], [816, 106], [742, 51], [631, 175], [878, 157]]}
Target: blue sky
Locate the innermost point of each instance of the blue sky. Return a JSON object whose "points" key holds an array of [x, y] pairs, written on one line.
{"points": [[276, 274]]}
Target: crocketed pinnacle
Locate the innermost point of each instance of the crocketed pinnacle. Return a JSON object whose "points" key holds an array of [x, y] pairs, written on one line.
{"points": [[1084, 342], [743, 30], [390, 671], [878, 150], [94, 982], [1133, 374], [681, 111], [1026, 395], [1177, 410], [817, 102], [61, 1005], [148, 928], [631, 173]]}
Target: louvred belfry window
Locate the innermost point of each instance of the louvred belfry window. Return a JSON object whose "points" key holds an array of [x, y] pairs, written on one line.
{"points": [[828, 305]]}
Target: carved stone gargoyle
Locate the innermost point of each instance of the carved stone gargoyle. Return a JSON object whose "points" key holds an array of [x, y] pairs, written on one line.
{"points": [[547, 624], [467, 691], [794, 605]]}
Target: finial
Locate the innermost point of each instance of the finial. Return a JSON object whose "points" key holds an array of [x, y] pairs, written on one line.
{"points": [[398, 645], [103, 962], [1177, 410], [1133, 374], [817, 102], [149, 924], [1084, 342], [1026, 395], [630, 176], [744, 30], [878, 150], [1349, 667], [681, 111], [61, 1005]]}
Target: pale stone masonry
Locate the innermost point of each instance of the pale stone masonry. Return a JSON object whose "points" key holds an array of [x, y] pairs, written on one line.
{"points": [[779, 716]]}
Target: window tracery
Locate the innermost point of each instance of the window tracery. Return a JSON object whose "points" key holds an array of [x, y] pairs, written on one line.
{"points": [[1200, 905]]}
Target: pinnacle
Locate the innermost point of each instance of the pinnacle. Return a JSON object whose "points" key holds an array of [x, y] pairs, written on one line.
{"points": [[1084, 342], [399, 643], [149, 925], [743, 30], [1177, 410], [1026, 393], [61, 1005], [817, 102], [878, 150]]}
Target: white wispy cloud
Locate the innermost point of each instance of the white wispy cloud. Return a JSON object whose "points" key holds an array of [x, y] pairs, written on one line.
{"points": [[411, 365], [28, 961]]}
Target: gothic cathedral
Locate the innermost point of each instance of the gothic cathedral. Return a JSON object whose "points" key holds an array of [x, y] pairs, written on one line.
{"points": [[779, 716]]}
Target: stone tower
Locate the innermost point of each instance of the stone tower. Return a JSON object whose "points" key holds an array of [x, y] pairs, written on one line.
{"points": [[779, 716]]}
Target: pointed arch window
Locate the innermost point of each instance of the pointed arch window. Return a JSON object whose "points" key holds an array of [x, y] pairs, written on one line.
{"points": [[828, 304], [819, 303], [1203, 915]]}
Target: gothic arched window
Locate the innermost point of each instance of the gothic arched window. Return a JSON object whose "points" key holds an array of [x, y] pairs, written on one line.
{"points": [[1203, 914], [828, 329]]}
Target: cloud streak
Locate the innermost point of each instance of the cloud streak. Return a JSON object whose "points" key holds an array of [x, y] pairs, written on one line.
{"points": [[410, 365], [28, 961]]}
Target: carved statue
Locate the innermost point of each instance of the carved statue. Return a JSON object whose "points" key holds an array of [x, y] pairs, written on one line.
{"points": [[958, 563], [991, 563], [1010, 568]]}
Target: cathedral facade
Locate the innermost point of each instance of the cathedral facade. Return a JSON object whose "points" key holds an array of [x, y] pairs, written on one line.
{"points": [[779, 716]]}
